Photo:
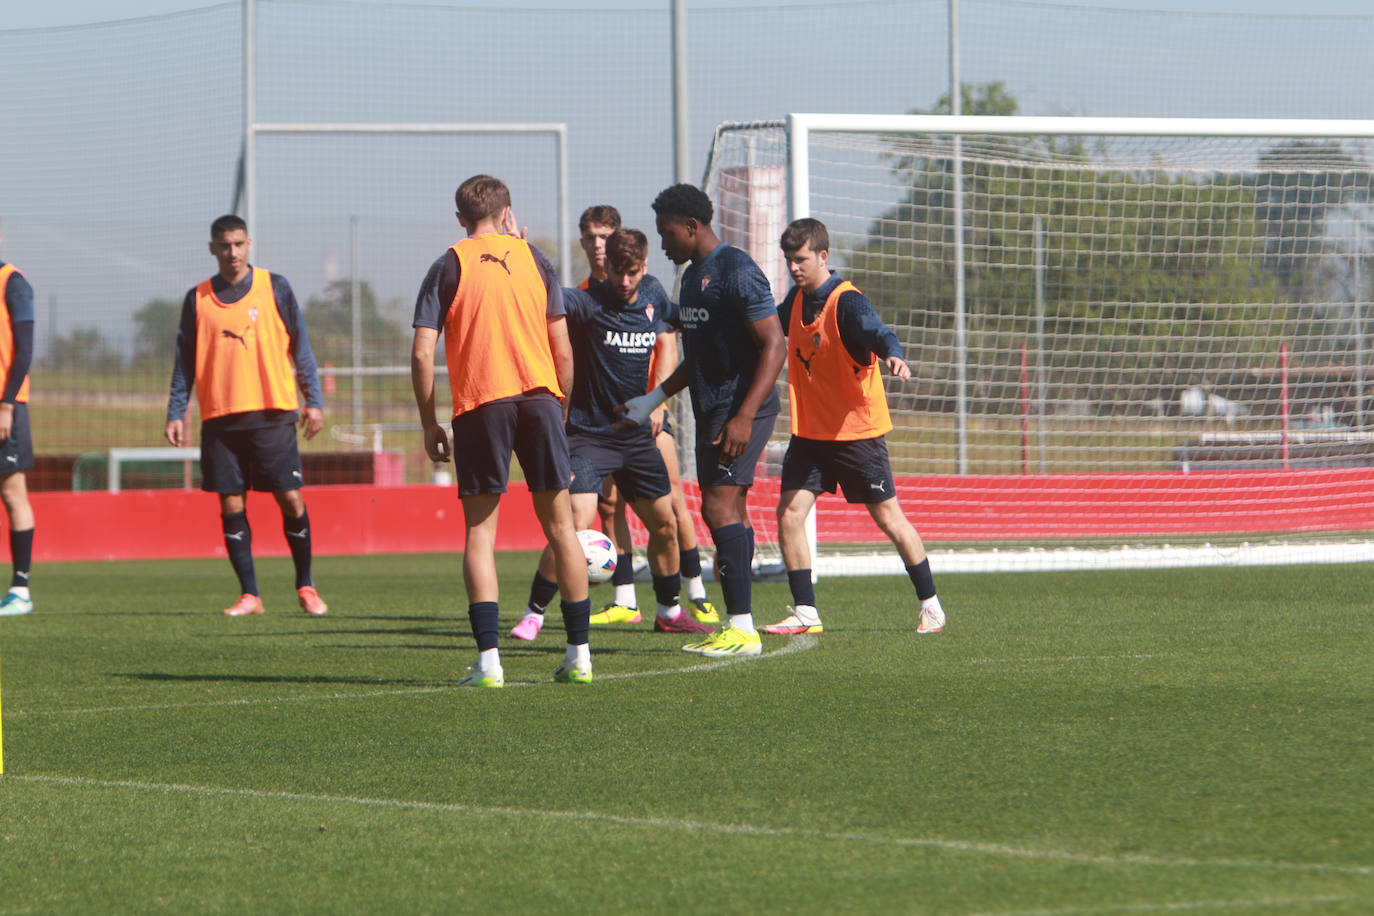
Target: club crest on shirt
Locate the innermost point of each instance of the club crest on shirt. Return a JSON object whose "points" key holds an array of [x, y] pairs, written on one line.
{"points": [[253, 315], [649, 311], [705, 282]]}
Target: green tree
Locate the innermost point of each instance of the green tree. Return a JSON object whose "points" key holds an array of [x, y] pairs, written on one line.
{"points": [[329, 321], [156, 324], [1137, 263], [85, 349], [1299, 183]]}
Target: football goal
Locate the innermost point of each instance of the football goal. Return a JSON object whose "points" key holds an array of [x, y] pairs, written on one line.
{"points": [[1133, 342]]}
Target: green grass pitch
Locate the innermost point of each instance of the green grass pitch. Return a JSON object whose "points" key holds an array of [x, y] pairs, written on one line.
{"points": [[1123, 742]]}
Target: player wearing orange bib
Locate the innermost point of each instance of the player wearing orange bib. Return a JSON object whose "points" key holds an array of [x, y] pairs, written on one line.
{"points": [[498, 304], [243, 347], [835, 345], [16, 441]]}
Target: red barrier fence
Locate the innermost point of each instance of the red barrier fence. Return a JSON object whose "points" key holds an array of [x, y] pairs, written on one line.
{"points": [[367, 519]]}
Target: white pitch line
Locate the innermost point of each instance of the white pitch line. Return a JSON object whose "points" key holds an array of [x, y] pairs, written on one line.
{"points": [[688, 826], [794, 645]]}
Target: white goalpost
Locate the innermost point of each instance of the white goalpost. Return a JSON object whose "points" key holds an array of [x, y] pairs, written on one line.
{"points": [[1156, 356]]}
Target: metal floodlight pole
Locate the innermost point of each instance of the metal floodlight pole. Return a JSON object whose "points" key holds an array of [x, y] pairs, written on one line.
{"points": [[355, 302], [250, 56], [957, 180], [682, 169], [1359, 321]]}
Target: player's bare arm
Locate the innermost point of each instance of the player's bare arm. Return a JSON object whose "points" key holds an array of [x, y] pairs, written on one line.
{"points": [[176, 432], [665, 361], [422, 381], [768, 337], [6, 420], [561, 347]]}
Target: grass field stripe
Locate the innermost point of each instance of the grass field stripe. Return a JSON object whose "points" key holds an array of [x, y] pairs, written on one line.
{"points": [[1174, 907], [992, 849], [794, 645]]}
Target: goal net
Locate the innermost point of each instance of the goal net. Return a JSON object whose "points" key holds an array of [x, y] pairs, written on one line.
{"points": [[1132, 342]]}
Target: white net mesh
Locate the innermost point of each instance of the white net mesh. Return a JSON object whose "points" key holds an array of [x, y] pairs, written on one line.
{"points": [[1163, 336]]}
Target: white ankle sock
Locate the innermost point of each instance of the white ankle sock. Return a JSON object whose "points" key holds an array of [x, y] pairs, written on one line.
{"points": [[743, 622]]}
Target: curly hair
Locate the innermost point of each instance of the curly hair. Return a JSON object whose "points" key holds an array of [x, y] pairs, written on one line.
{"points": [[684, 201]]}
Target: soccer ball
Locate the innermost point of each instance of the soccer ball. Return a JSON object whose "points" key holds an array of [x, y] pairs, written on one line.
{"points": [[600, 554]]}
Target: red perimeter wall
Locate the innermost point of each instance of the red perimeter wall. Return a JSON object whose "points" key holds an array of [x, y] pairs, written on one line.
{"points": [[153, 524], [149, 524]]}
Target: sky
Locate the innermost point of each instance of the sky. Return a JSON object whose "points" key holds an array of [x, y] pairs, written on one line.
{"points": [[112, 109], [22, 14]]}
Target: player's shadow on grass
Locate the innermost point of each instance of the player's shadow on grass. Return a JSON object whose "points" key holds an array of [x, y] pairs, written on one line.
{"points": [[272, 679], [446, 630]]}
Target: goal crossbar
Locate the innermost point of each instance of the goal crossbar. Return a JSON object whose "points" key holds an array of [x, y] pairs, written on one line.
{"points": [[800, 125]]}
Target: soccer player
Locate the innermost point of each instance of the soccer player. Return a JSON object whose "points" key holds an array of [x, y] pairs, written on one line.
{"points": [[595, 227], [615, 328], [836, 345], [497, 301], [16, 442], [734, 350], [243, 346]]}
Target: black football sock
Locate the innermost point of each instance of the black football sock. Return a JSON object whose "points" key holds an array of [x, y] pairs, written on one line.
{"points": [[484, 617], [666, 589], [541, 592], [922, 579], [575, 620], [803, 589], [624, 569], [21, 550], [238, 542], [298, 539], [734, 567]]}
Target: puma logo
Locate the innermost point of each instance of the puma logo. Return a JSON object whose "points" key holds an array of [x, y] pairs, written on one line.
{"points": [[805, 361], [495, 260], [239, 337]]}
